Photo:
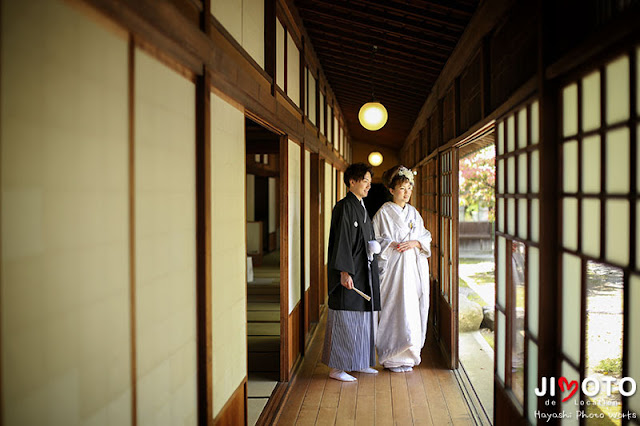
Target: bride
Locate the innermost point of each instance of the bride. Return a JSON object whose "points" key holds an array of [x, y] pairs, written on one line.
{"points": [[404, 275]]}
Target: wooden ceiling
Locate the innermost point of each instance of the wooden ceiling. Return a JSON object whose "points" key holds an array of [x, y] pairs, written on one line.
{"points": [[414, 39]]}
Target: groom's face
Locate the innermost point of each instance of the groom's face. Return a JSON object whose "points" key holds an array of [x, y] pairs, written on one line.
{"points": [[361, 187]]}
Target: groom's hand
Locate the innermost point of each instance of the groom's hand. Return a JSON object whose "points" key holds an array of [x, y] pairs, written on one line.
{"points": [[346, 280]]}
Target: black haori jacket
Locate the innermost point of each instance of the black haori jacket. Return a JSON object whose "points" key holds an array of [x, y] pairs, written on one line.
{"points": [[348, 240]]}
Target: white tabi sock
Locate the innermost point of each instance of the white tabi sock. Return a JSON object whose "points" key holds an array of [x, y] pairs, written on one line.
{"points": [[341, 375], [407, 368], [397, 369], [368, 370]]}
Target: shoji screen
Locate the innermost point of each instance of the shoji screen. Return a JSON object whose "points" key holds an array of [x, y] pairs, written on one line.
{"points": [[165, 229], [228, 260], [295, 261], [517, 233], [600, 210], [307, 219], [446, 223], [322, 107], [64, 164], [293, 71], [280, 41], [311, 98]]}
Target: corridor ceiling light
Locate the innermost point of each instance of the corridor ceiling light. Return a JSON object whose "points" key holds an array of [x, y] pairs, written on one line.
{"points": [[373, 115], [375, 158]]}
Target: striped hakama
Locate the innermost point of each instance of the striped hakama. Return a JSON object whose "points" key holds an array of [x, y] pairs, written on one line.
{"points": [[349, 342]]}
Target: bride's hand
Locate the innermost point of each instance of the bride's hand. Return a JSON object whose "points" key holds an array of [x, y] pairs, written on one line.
{"points": [[407, 245]]}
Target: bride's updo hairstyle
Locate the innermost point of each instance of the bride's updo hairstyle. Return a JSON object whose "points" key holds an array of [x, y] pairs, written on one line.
{"points": [[397, 176]]}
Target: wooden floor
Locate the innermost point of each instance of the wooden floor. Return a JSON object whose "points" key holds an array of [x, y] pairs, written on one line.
{"points": [[429, 395]]}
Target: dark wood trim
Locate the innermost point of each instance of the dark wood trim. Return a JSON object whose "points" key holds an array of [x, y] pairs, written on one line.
{"points": [[132, 229], [203, 249], [303, 301], [508, 414], [284, 259], [235, 408], [270, 41], [315, 252], [455, 241], [1, 239], [270, 411]]}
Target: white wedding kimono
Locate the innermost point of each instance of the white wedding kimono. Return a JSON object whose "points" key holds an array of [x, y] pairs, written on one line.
{"points": [[404, 285]]}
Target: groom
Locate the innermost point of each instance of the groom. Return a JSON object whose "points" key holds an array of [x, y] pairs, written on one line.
{"points": [[350, 336]]}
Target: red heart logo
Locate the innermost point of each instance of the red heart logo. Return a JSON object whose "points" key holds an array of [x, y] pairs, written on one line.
{"points": [[562, 382]]}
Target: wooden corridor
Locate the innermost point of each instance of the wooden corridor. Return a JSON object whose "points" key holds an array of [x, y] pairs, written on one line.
{"points": [[429, 395]]}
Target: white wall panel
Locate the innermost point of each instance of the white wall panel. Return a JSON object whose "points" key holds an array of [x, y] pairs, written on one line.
{"points": [[253, 29], [307, 219], [293, 71], [312, 99], [165, 235], [228, 251], [65, 221], [280, 40], [295, 217], [229, 14]]}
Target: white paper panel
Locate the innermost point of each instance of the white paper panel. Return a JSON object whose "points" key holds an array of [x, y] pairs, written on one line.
{"points": [[312, 99], [253, 29], [535, 220], [591, 101], [591, 164], [533, 290], [501, 176], [617, 168], [500, 136], [511, 175], [64, 298], [307, 219], [571, 273], [535, 120], [330, 124], [501, 345], [511, 216], [280, 40], [591, 227], [535, 171], [229, 14], [500, 214], [522, 174], [570, 374], [570, 223], [522, 128], [502, 271], [322, 106], [295, 223], [570, 110], [617, 232], [617, 88], [634, 339], [165, 232], [511, 133], [522, 218], [570, 166], [532, 378], [293, 71]]}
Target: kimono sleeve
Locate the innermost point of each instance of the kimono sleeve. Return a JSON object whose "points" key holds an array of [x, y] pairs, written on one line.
{"points": [[383, 236], [341, 258], [424, 237]]}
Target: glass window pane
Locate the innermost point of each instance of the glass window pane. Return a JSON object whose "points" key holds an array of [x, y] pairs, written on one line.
{"points": [[522, 128], [501, 345], [570, 166], [591, 101], [535, 131], [603, 334], [518, 254], [535, 171], [511, 133], [535, 220], [500, 172], [500, 214], [511, 175], [591, 164], [617, 89], [533, 290], [500, 136], [570, 110], [617, 146], [511, 216], [634, 339], [591, 227], [502, 271], [570, 223], [570, 374], [571, 273], [522, 218], [617, 232], [522, 173], [532, 377]]}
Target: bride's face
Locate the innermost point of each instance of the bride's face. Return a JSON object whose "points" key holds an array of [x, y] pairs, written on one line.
{"points": [[402, 193]]}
